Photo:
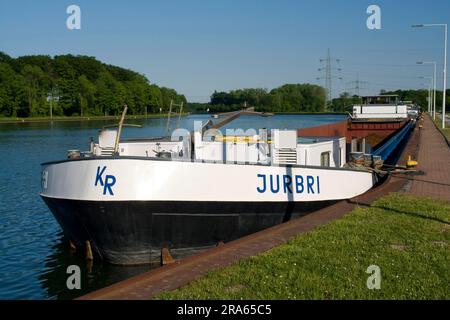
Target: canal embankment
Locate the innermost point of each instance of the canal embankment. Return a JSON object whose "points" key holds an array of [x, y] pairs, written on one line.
{"points": [[85, 118], [405, 237]]}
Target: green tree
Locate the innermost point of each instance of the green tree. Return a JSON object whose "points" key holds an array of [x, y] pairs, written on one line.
{"points": [[87, 92], [75, 85], [155, 100], [345, 102], [13, 98], [37, 83]]}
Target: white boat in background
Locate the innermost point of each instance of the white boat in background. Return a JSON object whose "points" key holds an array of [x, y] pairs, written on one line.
{"points": [[131, 198], [380, 107]]}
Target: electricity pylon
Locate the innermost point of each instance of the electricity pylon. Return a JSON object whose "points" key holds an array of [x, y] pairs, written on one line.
{"points": [[357, 85], [328, 76]]}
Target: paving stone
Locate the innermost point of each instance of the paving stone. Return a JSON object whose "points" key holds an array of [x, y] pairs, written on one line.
{"points": [[434, 160]]}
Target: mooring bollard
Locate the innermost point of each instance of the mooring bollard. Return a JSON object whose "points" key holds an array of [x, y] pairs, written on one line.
{"points": [[411, 163]]}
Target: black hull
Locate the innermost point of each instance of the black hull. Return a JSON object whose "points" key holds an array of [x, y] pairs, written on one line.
{"points": [[133, 232]]}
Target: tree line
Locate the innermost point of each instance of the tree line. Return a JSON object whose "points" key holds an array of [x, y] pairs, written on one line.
{"points": [[300, 98], [420, 97], [76, 85], [286, 98], [83, 86]]}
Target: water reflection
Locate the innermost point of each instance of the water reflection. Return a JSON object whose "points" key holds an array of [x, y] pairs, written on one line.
{"points": [[94, 275]]}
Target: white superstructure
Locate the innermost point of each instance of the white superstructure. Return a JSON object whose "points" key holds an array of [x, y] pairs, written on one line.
{"points": [[284, 147], [380, 107]]}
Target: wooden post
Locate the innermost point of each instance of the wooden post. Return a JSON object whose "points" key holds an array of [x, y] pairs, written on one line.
{"points": [[179, 116], [89, 255], [166, 258], [89, 265], [51, 106], [72, 246], [119, 131], [168, 116], [220, 243], [363, 147]]}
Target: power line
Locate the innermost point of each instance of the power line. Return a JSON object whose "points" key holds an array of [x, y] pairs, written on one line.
{"points": [[381, 65]]}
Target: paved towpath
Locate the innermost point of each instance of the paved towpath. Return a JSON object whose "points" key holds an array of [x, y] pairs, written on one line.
{"points": [[434, 160]]}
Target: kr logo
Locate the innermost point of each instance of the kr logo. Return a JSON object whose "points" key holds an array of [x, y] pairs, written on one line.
{"points": [[107, 183]]}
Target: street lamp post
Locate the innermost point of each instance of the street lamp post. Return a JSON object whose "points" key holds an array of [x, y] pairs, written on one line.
{"points": [[427, 86], [434, 86], [444, 92], [430, 95]]}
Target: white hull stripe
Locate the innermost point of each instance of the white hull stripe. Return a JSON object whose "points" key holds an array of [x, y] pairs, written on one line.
{"points": [[125, 179]]}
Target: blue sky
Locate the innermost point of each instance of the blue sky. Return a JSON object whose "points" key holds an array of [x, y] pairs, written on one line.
{"points": [[199, 46]]}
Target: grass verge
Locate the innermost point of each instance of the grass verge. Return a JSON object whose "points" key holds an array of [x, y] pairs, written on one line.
{"points": [[445, 131], [407, 237]]}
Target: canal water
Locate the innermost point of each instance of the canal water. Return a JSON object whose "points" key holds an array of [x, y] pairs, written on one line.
{"points": [[34, 255]]}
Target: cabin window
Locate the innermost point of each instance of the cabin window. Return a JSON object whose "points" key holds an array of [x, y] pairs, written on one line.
{"points": [[325, 159]]}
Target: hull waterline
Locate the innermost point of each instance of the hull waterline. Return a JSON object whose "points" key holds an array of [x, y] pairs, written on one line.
{"points": [[133, 232]]}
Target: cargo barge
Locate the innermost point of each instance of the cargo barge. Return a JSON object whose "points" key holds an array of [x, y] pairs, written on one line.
{"points": [[131, 198]]}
